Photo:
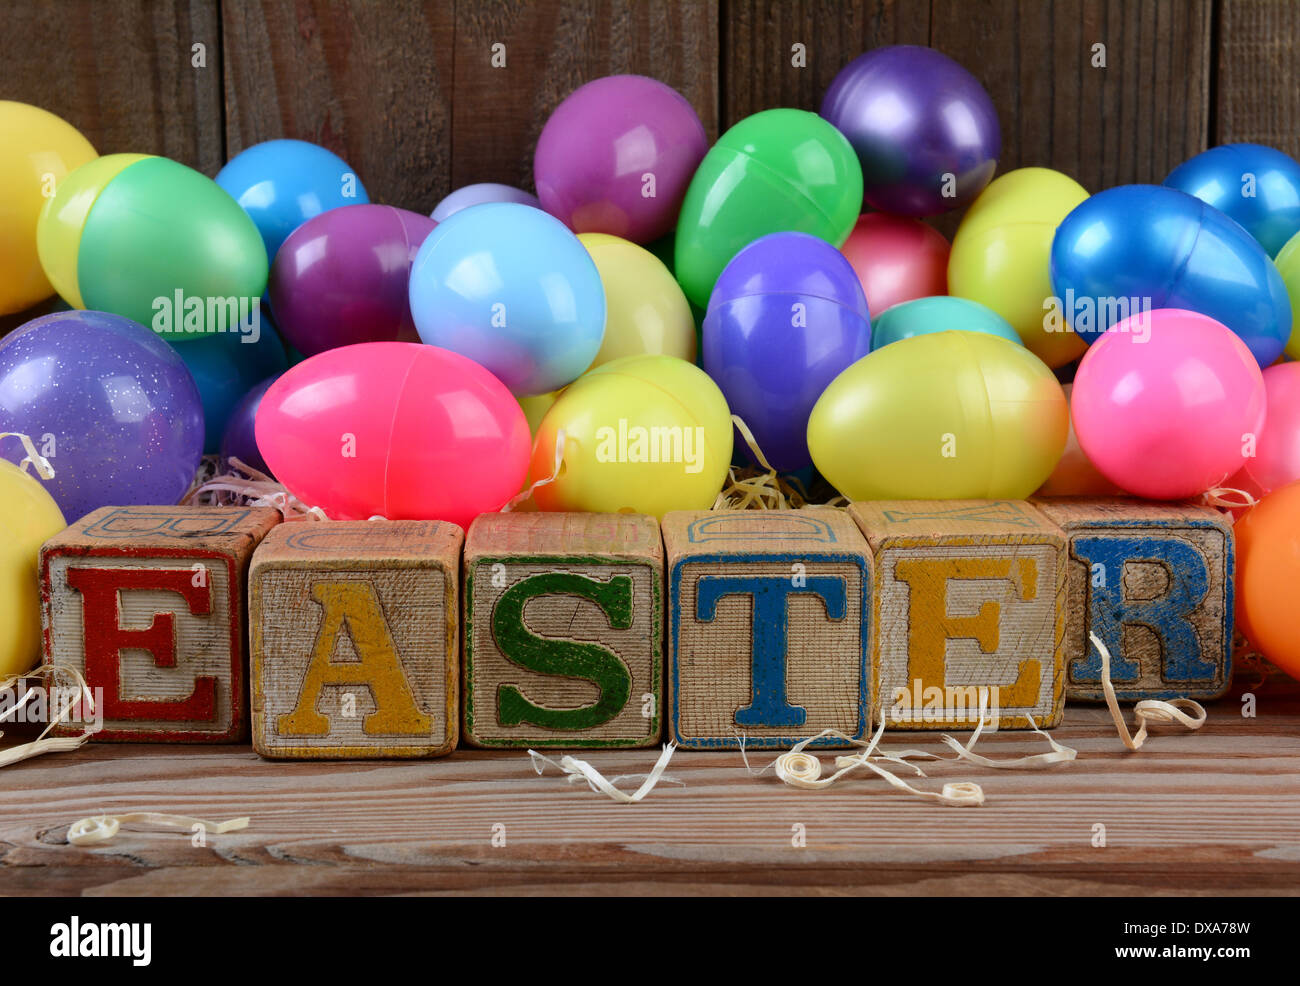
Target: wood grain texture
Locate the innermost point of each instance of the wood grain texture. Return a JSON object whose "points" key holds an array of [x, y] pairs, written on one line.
{"points": [[370, 81], [148, 604], [354, 640], [1208, 813], [551, 48], [1155, 583], [768, 628], [563, 630], [969, 611], [121, 72], [1257, 97]]}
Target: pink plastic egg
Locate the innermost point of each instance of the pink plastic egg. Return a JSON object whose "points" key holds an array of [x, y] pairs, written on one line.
{"points": [[897, 259], [1276, 461]]}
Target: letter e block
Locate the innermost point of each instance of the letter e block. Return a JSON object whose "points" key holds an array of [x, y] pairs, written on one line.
{"points": [[148, 604], [355, 631], [768, 627], [970, 611], [1155, 582], [563, 630]]}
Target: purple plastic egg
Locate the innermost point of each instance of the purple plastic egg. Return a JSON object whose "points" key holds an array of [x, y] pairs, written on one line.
{"points": [[240, 439], [616, 157], [786, 317], [341, 278], [108, 402], [924, 128], [486, 191]]}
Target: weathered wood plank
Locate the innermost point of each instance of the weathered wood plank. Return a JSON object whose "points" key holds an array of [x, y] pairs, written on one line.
{"points": [[1257, 98]]}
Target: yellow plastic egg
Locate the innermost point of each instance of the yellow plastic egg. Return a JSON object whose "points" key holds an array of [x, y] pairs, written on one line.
{"points": [[645, 309], [943, 416], [37, 150], [1001, 255], [645, 434], [28, 518]]}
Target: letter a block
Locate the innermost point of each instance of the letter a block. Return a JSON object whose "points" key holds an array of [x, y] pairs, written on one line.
{"points": [[563, 630], [768, 627], [970, 611], [355, 631], [148, 604], [1155, 582]]}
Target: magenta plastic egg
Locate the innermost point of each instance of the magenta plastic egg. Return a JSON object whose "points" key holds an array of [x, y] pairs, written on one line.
{"points": [[1276, 459], [1165, 403], [401, 430], [616, 157]]}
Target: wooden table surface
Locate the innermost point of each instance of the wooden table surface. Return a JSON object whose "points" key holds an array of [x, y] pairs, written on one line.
{"points": [[1212, 812]]}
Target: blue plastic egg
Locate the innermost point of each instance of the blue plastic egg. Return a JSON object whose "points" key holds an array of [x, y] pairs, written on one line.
{"points": [[1139, 247], [513, 289], [1257, 186], [939, 313], [786, 317], [283, 183]]}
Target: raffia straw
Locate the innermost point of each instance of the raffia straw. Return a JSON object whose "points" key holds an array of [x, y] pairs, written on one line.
{"points": [[1148, 711], [519, 498], [245, 486], [758, 488], [581, 770], [45, 743], [1228, 499], [40, 465], [99, 829]]}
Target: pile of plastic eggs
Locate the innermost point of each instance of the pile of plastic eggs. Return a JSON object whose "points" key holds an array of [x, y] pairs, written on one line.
{"points": [[595, 340]]}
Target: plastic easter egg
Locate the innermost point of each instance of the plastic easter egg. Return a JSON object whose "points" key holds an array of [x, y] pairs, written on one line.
{"points": [[1001, 256], [28, 518], [239, 441], [405, 431], [283, 183], [923, 127], [776, 171], [37, 151], [897, 259], [153, 241], [343, 277], [224, 367], [787, 316], [1257, 186], [616, 156], [645, 434], [511, 288], [1164, 404], [1141, 247], [1276, 459], [535, 409], [1268, 571], [1288, 265], [948, 415], [108, 403], [487, 191], [645, 310], [1075, 475], [941, 314]]}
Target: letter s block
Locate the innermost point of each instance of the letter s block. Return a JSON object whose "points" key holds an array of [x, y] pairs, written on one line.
{"points": [[970, 610], [148, 604], [355, 630], [563, 630], [768, 627], [1155, 582]]}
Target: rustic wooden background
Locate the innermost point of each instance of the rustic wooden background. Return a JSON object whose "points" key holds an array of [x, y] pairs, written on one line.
{"points": [[405, 91]]}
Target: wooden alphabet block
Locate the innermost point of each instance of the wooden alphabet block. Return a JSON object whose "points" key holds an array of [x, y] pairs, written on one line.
{"points": [[970, 610], [563, 630], [148, 604], [769, 628], [1155, 582], [355, 630]]}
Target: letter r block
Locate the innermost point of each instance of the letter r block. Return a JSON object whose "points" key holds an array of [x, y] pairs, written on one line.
{"points": [[1155, 582], [354, 640], [768, 627], [563, 630], [970, 610], [148, 604]]}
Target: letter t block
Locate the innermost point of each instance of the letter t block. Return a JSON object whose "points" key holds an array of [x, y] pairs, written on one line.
{"points": [[768, 627]]}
